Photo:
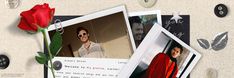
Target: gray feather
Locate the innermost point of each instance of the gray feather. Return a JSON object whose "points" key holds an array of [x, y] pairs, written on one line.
{"points": [[203, 43], [220, 41]]}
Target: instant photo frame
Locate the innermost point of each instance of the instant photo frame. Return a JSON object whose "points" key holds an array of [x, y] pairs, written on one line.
{"points": [[108, 27], [105, 28], [151, 46]]}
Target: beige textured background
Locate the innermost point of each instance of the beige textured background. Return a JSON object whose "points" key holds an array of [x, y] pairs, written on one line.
{"points": [[22, 47]]}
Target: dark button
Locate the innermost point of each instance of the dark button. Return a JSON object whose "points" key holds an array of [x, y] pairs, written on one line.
{"points": [[221, 10], [57, 65], [4, 61]]}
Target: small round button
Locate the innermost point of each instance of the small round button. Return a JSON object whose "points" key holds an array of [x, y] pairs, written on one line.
{"points": [[12, 3], [57, 65], [147, 3], [4, 61], [221, 10]]}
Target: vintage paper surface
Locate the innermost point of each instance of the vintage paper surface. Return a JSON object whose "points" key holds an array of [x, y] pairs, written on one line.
{"points": [[21, 47]]}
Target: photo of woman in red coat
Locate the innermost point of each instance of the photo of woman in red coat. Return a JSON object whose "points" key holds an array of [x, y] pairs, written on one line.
{"points": [[164, 65], [161, 55]]}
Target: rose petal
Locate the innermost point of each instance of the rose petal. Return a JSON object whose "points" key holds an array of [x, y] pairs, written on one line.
{"points": [[36, 7], [39, 15], [27, 15], [25, 26], [42, 17], [52, 11], [45, 5]]}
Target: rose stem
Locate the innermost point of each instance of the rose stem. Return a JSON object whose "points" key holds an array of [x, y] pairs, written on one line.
{"points": [[50, 55]]}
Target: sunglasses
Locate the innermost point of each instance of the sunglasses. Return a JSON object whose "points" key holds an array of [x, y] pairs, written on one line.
{"points": [[82, 35]]}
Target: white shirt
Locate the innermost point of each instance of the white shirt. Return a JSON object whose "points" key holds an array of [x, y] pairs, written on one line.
{"points": [[94, 51]]}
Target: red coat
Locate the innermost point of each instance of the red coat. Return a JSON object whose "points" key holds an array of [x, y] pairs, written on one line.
{"points": [[161, 67]]}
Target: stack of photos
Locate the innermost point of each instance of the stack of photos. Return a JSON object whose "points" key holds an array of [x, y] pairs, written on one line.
{"points": [[112, 43]]}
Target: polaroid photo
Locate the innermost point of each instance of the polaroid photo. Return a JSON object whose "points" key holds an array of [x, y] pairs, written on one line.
{"points": [[141, 22], [106, 31], [99, 36], [161, 55], [181, 29]]}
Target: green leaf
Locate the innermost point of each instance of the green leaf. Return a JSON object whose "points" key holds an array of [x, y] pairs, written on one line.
{"points": [[56, 43], [42, 58], [41, 54]]}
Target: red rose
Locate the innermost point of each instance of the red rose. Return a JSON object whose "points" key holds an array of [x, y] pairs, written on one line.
{"points": [[39, 15]]}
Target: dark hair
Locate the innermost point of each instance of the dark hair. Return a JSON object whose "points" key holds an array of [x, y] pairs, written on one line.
{"points": [[179, 46], [81, 28], [134, 19], [173, 45]]}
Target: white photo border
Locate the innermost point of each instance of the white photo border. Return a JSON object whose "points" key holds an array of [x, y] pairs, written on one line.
{"points": [[150, 37], [95, 15]]}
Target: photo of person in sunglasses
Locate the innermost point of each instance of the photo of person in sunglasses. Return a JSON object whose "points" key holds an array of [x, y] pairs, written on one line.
{"points": [[88, 48]]}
